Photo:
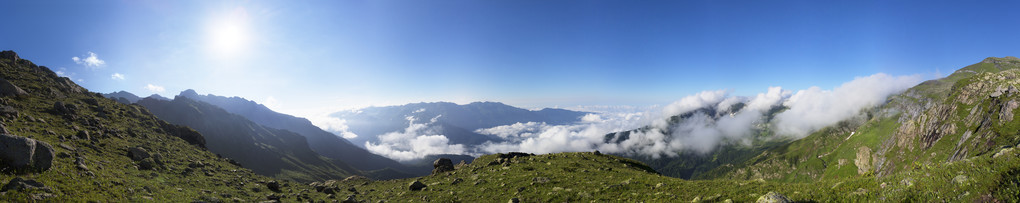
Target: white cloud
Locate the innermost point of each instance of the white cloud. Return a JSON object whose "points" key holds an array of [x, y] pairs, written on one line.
{"points": [[414, 142], [155, 88], [333, 124], [91, 60], [702, 131], [815, 108], [117, 76], [270, 102]]}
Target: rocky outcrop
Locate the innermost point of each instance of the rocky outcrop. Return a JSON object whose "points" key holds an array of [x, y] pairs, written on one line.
{"points": [[773, 197], [9, 55], [20, 184], [22, 154], [442, 165], [187, 134], [8, 89]]}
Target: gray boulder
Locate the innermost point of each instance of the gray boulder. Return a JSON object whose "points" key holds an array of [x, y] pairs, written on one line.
{"points": [[25, 154], [416, 186], [442, 165], [138, 154]]}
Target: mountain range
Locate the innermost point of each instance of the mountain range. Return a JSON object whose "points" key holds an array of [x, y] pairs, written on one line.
{"points": [[949, 139], [456, 122]]}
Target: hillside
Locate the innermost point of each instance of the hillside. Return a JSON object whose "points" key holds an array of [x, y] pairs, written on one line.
{"points": [[967, 114], [101, 150], [267, 151], [587, 176]]}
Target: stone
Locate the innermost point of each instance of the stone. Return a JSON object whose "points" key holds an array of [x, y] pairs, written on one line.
{"points": [[138, 154], [8, 111], [25, 154], [773, 197], [19, 184], [83, 135], [146, 164], [514, 200], [8, 89], [273, 185], [442, 165], [416, 186]]}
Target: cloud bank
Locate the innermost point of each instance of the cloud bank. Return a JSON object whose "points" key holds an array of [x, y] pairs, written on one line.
{"points": [[154, 88], [702, 131], [414, 142]]}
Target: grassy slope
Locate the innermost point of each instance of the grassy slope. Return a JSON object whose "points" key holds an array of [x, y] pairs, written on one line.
{"points": [[585, 176], [112, 176]]}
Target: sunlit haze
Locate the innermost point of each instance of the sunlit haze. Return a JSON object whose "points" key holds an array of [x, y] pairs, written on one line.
{"points": [[311, 57]]}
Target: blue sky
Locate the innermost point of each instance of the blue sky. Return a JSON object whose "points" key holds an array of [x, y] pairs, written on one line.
{"points": [[302, 56]]}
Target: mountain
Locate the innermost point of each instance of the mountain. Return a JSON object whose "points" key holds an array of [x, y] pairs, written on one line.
{"points": [[267, 151], [456, 122], [325, 143], [62, 143], [968, 114], [123, 97]]}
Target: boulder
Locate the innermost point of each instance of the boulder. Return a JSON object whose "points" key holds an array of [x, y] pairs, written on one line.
{"points": [[138, 154], [25, 154], [773, 197], [82, 135], [273, 185], [442, 165], [8, 89], [416, 186]]}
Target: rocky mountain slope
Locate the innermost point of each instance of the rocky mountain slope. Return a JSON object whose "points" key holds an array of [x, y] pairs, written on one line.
{"points": [[62, 143], [325, 143], [969, 113], [267, 151]]}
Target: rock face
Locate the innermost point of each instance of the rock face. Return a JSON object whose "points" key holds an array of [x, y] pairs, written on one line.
{"points": [[773, 197], [10, 55], [24, 154], [8, 89], [442, 165]]}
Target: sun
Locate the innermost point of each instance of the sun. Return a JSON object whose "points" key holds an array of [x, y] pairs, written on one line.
{"points": [[229, 35]]}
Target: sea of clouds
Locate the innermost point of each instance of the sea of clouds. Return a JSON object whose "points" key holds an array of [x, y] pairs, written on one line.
{"points": [[808, 111]]}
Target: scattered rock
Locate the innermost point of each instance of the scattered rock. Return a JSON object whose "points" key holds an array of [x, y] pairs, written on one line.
{"points": [[19, 184], [8, 111], [773, 197], [82, 135], [67, 147], [1002, 151], [25, 154], [540, 180], [442, 165], [416, 186], [146, 164], [138, 154], [456, 181], [350, 199], [64, 109], [514, 200], [8, 89], [960, 179], [598, 153]]}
